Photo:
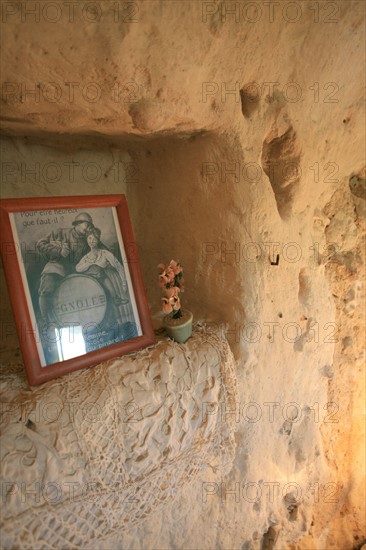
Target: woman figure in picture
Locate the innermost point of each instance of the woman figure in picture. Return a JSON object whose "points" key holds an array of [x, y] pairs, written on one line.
{"points": [[104, 266]]}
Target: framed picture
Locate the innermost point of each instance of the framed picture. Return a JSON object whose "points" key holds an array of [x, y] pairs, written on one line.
{"points": [[74, 280]]}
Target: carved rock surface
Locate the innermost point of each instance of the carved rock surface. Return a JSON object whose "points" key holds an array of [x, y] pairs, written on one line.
{"points": [[236, 130]]}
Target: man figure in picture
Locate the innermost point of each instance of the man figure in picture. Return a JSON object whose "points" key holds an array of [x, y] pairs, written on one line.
{"points": [[63, 249]]}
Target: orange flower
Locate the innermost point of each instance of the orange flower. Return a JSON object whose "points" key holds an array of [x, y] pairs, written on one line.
{"points": [[175, 267], [171, 281], [176, 304], [166, 306], [163, 279], [170, 274], [172, 291]]}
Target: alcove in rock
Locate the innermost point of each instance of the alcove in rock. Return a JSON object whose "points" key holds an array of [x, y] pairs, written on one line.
{"points": [[237, 135]]}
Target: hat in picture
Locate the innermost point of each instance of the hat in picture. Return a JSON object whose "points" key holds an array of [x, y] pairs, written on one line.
{"points": [[83, 217]]}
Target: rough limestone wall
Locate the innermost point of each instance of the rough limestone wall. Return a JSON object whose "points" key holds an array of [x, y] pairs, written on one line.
{"points": [[247, 130], [345, 268]]}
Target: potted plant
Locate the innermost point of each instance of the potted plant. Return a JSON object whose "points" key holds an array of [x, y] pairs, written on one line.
{"points": [[177, 321]]}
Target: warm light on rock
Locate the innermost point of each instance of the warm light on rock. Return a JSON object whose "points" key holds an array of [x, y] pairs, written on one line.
{"points": [[236, 130]]}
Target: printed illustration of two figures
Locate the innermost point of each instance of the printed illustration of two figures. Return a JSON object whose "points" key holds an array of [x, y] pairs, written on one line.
{"points": [[80, 250]]}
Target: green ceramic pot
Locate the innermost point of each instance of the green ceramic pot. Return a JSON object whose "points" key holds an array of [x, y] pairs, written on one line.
{"points": [[179, 329]]}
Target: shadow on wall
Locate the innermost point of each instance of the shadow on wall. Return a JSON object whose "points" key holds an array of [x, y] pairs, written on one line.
{"points": [[281, 160], [186, 205]]}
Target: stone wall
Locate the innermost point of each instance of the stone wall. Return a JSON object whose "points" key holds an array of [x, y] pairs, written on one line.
{"points": [[240, 129]]}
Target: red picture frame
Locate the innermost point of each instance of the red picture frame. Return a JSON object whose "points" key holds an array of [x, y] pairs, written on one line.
{"points": [[74, 278]]}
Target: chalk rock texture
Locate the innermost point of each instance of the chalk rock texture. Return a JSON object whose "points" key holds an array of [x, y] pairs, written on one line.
{"points": [[236, 130]]}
